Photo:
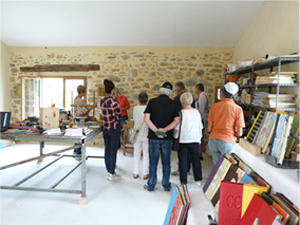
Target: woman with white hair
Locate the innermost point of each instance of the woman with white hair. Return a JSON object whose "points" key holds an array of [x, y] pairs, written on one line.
{"points": [[189, 134]]}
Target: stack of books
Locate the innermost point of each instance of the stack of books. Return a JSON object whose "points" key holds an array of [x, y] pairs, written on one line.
{"points": [[178, 206], [274, 78], [284, 101], [240, 196]]}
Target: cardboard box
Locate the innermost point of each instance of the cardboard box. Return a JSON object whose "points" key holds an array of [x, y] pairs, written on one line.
{"points": [[49, 118]]}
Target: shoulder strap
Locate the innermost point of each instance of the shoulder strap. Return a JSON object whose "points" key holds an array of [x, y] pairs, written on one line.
{"points": [[181, 117]]}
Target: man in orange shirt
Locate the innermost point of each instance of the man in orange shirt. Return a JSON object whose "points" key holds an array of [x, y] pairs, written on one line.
{"points": [[225, 122]]}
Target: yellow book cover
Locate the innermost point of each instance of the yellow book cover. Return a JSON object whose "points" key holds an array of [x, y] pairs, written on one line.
{"points": [[248, 192]]}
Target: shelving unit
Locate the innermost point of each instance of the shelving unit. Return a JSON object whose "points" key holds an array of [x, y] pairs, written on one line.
{"points": [[268, 64]]}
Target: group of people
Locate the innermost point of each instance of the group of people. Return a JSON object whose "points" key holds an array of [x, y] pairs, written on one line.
{"points": [[164, 123]]}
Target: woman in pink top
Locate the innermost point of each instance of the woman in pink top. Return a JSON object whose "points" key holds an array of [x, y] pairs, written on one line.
{"points": [[225, 122]]}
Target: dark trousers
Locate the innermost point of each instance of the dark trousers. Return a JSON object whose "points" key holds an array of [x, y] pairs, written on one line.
{"points": [[111, 142], [183, 152]]}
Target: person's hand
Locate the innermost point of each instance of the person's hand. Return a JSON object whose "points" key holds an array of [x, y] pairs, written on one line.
{"points": [[162, 130]]}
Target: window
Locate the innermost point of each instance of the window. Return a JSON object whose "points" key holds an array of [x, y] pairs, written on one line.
{"points": [[46, 91]]}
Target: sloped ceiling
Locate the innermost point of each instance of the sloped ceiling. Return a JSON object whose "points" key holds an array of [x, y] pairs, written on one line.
{"points": [[125, 23]]}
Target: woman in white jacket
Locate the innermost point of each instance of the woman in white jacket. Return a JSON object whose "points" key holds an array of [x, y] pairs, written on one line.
{"points": [[142, 142], [190, 134]]}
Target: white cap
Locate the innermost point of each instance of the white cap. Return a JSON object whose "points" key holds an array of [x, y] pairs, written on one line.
{"points": [[231, 88]]}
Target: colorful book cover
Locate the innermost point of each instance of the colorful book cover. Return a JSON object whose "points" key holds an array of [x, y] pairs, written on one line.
{"points": [[219, 176], [292, 142], [234, 200], [294, 217], [171, 205], [285, 140], [279, 209], [265, 129], [250, 131], [213, 173], [247, 179], [232, 176], [256, 127], [177, 209], [260, 209], [279, 134], [185, 205], [186, 192]]}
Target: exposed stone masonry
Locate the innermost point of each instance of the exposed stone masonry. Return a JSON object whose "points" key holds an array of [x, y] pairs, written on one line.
{"points": [[132, 69]]}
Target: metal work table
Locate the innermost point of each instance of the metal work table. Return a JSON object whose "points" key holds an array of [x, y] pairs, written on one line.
{"points": [[80, 141]]}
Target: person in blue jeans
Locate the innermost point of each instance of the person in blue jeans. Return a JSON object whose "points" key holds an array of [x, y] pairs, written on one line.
{"points": [[161, 115], [111, 128]]}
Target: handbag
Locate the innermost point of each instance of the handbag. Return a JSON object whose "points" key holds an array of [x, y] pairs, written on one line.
{"points": [[135, 133]]}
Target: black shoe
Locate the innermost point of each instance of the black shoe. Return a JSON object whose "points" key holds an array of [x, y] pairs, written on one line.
{"points": [[147, 187], [201, 158], [168, 188]]}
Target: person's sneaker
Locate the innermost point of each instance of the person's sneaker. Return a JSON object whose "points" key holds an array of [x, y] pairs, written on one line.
{"points": [[198, 183], [77, 156], [147, 187], [112, 176], [175, 173]]}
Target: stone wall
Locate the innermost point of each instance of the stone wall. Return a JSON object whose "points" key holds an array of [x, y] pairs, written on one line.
{"points": [[132, 69]]}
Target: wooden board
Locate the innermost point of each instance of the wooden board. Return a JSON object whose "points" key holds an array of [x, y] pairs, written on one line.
{"points": [[49, 118]]}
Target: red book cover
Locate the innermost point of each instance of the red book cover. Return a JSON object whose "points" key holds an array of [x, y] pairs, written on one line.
{"points": [[231, 197], [177, 209], [260, 209]]}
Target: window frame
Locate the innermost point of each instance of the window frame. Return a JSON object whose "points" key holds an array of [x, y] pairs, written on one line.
{"points": [[64, 76]]}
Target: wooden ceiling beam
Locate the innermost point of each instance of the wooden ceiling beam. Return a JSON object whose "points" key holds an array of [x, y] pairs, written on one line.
{"points": [[62, 68]]}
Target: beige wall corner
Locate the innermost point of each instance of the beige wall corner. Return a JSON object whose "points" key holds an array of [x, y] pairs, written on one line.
{"points": [[4, 79], [273, 31]]}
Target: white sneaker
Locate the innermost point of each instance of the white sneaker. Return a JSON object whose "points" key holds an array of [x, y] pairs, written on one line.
{"points": [[198, 183], [112, 176]]}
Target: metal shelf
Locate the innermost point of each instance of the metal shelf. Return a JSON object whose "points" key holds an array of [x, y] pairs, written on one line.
{"points": [[268, 85], [265, 64]]}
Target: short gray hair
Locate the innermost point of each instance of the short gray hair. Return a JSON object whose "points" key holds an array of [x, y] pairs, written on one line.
{"points": [[186, 98], [165, 91]]}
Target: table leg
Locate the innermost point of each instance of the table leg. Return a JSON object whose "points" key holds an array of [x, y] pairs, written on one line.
{"points": [[83, 200], [42, 145]]}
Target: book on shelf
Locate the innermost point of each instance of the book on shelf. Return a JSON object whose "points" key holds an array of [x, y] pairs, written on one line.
{"points": [[265, 131], [286, 137], [281, 133], [274, 96], [292, 142], [282, 73], [256, 126], [280, 105]]}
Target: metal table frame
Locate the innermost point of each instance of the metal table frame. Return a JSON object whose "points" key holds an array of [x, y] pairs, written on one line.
{"points": [[42, 138]]}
